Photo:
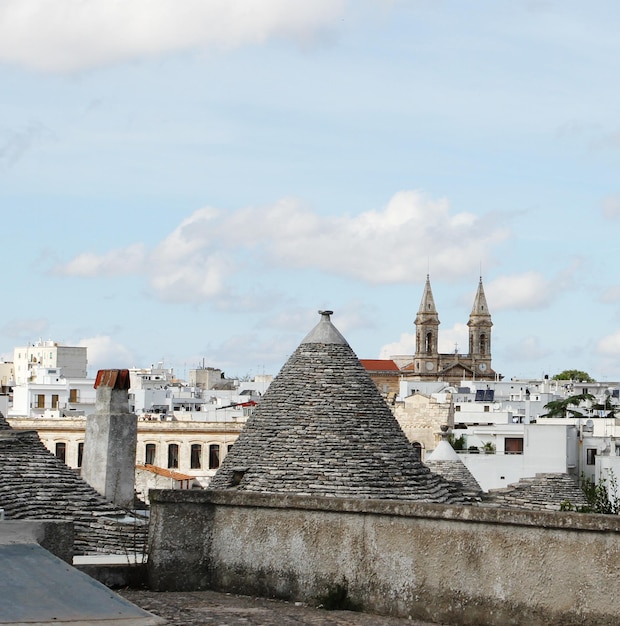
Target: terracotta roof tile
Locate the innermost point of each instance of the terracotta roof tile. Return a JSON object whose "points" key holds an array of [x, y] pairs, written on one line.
{"points": [[379, 365], [168, 473]]}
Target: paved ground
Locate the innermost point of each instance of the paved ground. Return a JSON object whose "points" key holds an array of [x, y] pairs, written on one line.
{"points": [[210, 608]]}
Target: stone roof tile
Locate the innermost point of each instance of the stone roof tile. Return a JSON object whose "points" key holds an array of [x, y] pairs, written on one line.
{"points": [[542, 492], [37, 485], [322, 428]]}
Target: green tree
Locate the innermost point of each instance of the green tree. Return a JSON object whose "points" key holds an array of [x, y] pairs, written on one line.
{"points": [[574, 375], [562, 408], [458, 443], [600, 497], [610, 409]]}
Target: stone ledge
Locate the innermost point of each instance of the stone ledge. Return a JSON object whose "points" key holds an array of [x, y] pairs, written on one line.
{"points": [[469, 513]]}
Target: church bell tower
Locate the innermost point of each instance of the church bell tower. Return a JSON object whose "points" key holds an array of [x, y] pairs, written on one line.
{"points": [[480, 333], [427, 332]]}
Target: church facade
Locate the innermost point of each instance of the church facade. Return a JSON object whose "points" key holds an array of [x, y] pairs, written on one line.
{"points": [[428, 364]]}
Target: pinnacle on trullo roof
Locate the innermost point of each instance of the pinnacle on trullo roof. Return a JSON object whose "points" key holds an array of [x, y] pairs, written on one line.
{"points": [[322, 428], [444, 460]]}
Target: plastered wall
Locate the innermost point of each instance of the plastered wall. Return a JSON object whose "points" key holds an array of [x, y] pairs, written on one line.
{"points": [[447, 564]]}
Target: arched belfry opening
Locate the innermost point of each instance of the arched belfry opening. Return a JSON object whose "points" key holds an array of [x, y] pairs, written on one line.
{"points": [[428, 346]]}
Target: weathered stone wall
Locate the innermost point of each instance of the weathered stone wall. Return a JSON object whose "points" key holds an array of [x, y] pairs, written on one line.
{"points": [[441, 563], [55, 536], [387, 383], [421, 417]]}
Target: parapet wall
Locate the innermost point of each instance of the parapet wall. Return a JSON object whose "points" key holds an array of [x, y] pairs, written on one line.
{"points": [[56, 536], [441, 563]]}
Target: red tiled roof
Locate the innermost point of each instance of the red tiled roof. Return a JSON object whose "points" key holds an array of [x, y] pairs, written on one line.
{"points": [[379, 365]]}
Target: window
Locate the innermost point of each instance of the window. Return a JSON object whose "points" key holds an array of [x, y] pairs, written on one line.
{"points": [[487, 408], [513, 445], [196, 456], [54, 401], [73, 395], [80, 453], [61, 450], [173, 456], [214, 456], [149, 454], [457, 408], [230, 446], [40, 401], [590, 456]]}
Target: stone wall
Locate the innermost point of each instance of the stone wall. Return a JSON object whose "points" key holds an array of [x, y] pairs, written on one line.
{"points": [[461, 565], [421, 417], [55, 536]]}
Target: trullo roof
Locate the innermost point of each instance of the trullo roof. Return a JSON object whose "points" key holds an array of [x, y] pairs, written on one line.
{"points": [[447, 463], [37, 485], [322, 428]]}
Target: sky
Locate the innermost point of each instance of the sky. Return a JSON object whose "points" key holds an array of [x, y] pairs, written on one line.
{"points": [[190, 181]]}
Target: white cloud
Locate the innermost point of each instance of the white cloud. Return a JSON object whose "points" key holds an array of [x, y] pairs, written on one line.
{"points": [[609, 346], [105, 353], [70, 35], [200, 259], [611, 207], [26, 329], [527, 349], [449, 340], [527, 291], [611, 295], [390, 245], [404, 346], [129, 260]]}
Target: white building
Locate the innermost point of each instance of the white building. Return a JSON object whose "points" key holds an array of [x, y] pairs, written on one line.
{"points": [[49, 394], [71, 361], [156, 394], [504, 419]]}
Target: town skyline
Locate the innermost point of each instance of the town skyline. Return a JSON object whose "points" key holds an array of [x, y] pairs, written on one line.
{"points": [[193, 187]]}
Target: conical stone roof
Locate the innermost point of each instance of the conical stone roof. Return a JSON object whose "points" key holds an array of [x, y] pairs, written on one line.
{"points": [[322, 428], [37, 485], [446, 462], [4, 425]]}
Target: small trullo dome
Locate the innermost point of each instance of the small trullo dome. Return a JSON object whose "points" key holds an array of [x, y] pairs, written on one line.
{"points": [[322, 428]]}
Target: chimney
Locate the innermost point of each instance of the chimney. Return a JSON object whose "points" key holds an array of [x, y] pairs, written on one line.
{"points": [[109, 458]]}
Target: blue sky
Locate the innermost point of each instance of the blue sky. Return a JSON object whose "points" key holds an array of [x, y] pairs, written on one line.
{"points": [[191, 180]]}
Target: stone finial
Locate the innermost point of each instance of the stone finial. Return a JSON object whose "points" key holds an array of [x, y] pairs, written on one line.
{"points": [[325, 331]]}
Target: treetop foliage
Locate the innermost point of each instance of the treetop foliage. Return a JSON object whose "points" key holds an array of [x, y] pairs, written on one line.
{"points": [[579, 375], [563, 407]]}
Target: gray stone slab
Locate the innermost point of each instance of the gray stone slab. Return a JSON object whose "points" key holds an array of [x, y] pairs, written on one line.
{"points": [[38, 588]]}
